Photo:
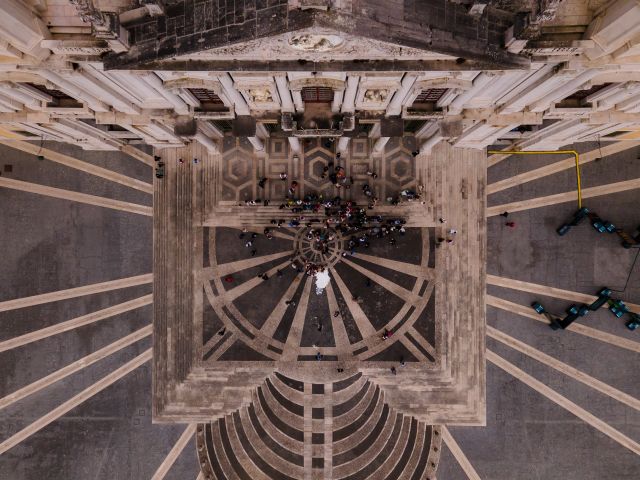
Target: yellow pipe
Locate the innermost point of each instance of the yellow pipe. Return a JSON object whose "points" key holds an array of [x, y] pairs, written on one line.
{"points": [[548, 152]]}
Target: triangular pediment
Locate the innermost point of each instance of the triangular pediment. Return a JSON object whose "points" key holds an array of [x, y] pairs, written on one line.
{"points": [[314, 45], [284, 35]]}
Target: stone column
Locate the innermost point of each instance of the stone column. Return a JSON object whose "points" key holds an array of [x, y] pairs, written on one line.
{"points": [[294, 143], [297, 100], [338, 95], [396, 103], [378, 147], [285, 94], [343, 144], [349, 101], [240, 106]]}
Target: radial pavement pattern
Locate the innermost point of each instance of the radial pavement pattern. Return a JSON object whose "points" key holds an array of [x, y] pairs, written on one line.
{"points": [[387, 286]]}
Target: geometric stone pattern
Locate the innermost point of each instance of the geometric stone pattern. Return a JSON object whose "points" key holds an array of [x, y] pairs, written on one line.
{"points": [[240, 169], [293, 430], [217, 341]]}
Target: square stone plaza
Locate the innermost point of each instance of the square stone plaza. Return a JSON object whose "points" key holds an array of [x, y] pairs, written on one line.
{"points": [[221, 331]]}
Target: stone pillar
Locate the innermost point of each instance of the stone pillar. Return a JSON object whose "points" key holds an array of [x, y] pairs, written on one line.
{"points": [[349, 101], [378, 147], [395, 105], [294, 143], [179, 105], [297, 100], [258, 145], [338, 95], [285, 94], [240, 106], [343, 144]]}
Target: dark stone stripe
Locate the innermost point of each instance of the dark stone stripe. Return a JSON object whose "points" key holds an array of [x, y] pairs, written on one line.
{"points": [[317, 462], [424, 456], [360, 350], [205, 247], [274, 446], [238, 324], [406, 455], [253, 455], [342, 384], [419, 347], [290, 382], [325, 358], [217, 345], [231, 456], [317, 413], [317, 438], [277, 422], [432, 248], [423, 287], [365, 444], [274, 349], [213, 457], [350, 429], [381, 457], [214, 289], [317, 388], [285, 402], [352, 402]]}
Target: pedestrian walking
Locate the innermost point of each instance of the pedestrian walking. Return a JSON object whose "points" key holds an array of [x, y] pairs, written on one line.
{"points": [[262, 182], [228, 278], [504, 214], [511, 224], [442, 220]]}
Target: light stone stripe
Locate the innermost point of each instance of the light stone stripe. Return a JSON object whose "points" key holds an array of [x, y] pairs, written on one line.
{"points": [[345, 394], [328, 431], [74, 163], [242, 456], [175, 452], [396, 452], [296, 396], [277, 314], [403, 293], [75, 366], [232, 267], [574, 327], [337, 323], [281, 412], [409, 468], [138, 154], [372, 452], [76, 400], [221, 453], [560, 166], [417, 336], [564, 197], [412, 349], [292, 344], [230, 340], [564, 368], [231, 295], [75, 292], [359, 435], [362, 321], [549, 291], [263, 449], [75, 196], [458, 453], [417, 271], [308, 432], [75, 323], [565, 403], [274, 432]]}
